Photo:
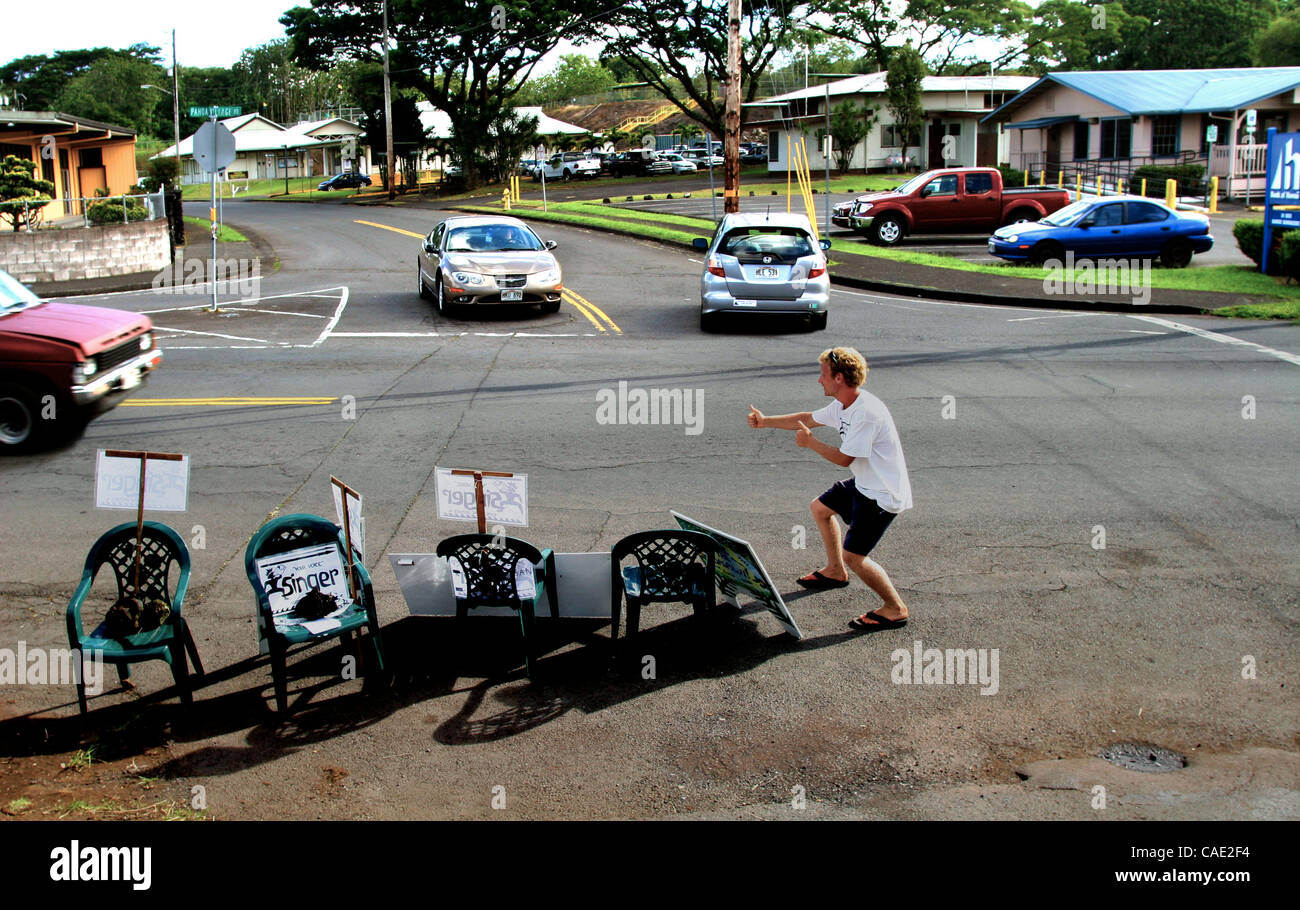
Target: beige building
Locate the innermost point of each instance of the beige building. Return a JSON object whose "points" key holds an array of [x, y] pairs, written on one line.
{"points": [[77, 155]]}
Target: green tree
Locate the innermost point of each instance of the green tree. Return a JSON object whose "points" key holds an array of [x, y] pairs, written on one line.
{"points": [[1212, 33], [660, 40], [22, 193], [577, 74], [850, 124], [41, 79], [1069, 35], [468, 59], [110, 91], [1279, 43], [903, 94], [269, 81], [509, 137]]}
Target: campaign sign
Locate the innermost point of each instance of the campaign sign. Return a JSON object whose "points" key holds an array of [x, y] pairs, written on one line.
{"points": [[1284, 169], [289, 577], [356, 525], [505, 499], [117, 483], [738, 568]]}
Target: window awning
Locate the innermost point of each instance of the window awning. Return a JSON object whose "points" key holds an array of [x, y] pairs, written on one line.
{"points": [[1040, 122]]}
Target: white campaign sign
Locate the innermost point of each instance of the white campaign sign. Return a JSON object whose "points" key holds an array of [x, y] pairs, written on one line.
{"points": [[357, 526], [117, 483], [505, 499], [288, 577]]}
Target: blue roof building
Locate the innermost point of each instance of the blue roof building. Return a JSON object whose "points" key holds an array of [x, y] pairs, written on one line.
{"points": [[1106, 123]]}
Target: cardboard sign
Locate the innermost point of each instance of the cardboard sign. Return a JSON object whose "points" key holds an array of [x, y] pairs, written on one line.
{"points": [[117, 484], [738, 568], [289, 577], [356, 524], [505, 499]]}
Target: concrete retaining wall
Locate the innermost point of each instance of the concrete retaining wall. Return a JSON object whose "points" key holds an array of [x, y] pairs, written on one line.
{"points": [[39, 257]]}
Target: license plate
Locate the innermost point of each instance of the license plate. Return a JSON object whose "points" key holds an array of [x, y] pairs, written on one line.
{"points": [[992, 246], [750, 303], [766, 272], [129, 380], [512, 295]]}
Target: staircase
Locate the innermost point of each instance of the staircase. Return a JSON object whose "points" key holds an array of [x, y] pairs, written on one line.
{"points": [[658, 116]]}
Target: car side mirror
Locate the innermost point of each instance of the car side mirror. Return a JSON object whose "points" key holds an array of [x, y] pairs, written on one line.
{"points": [[428, 246], [700, 243], [550, 244], [925, 191], [1086, 224], [825, 244]]}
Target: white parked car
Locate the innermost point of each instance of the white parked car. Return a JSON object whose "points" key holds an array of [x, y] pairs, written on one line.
{"points": [[567, 166], [703, 159], [681, 165]]}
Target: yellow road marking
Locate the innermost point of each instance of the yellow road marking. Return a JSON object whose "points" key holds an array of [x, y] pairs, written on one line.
{"points": [[390, 228], [583, 301], [223, 402], [568, 295]]}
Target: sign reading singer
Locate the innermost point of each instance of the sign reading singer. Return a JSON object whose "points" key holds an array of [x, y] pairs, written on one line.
{"points": [[117, 483], [505, 499]]}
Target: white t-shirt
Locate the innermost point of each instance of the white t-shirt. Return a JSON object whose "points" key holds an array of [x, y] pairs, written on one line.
{"points": [[867, 433]]}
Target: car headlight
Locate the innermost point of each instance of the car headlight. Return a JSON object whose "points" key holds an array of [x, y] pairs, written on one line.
{"points": [[1010, 238], [469, 278], [548, 276], [84, 370], [863, 207], [146, 341]]}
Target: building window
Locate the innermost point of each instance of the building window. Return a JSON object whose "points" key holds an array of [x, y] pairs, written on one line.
{"points": [[22, 151], [774, 146], [1116, 138], [1164, 135], [1081, 141], [892, 137], [91, 157]]}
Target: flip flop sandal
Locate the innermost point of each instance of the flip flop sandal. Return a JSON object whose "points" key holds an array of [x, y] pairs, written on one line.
{"points": [[880, 623], [820, 582]]}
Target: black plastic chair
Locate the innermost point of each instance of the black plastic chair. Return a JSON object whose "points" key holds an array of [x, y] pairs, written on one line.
{"points": [[672, 566], [294, 532], [489, 564], [162, 548]]}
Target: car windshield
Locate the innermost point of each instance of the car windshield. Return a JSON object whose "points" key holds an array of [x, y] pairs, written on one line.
{"points": [[1066, 216], [492, 238], [918, 181], [14, 295], [786, 243]]}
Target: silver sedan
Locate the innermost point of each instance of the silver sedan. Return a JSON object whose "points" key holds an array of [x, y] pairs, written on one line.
{"points": [[483, 259], [764, 263]]}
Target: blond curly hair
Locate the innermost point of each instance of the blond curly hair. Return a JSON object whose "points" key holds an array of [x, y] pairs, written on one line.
{"points": [[847, 362]]}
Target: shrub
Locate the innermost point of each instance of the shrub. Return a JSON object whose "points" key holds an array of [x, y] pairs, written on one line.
{"points": [[110, 211], [1289, 254], [1189, 176], [1011, 176], [1250, 240]]}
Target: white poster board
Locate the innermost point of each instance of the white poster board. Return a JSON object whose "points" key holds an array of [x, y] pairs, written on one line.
{"points": [[289, 577], [117, 483], [356, 524], [505, 499]]}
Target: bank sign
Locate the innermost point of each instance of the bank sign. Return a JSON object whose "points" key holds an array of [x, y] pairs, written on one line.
{"points": [[1284, 169]]}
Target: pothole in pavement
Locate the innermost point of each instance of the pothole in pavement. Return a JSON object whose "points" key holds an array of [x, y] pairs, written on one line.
{"points": [[1148, 758]]}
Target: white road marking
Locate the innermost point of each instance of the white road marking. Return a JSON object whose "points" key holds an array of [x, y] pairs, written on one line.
{"points": [[1142, 332], [338, 314], [163, 328], [1223, 339], [1060, 316]]}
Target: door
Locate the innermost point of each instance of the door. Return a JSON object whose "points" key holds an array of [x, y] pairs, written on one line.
{"points": [[1147, 229], [934, 154], [1106, 235], [935, 205], [981, 209]]}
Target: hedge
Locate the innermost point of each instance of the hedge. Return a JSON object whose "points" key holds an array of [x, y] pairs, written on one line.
{"points": [[110, 211]]}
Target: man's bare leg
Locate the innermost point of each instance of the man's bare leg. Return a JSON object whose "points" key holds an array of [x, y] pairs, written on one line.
{"points": [[876, 578], [829, 529]]}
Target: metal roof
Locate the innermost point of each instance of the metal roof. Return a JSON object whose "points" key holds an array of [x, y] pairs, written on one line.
{"points": [[57, 120], [1169, 91], [878, 83], [1041, 121]]}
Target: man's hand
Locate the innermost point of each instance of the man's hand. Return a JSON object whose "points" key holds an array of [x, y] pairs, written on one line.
{"points": [[803, 436], [756, 417]]}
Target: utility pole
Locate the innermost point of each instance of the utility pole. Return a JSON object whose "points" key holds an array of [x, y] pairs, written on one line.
{"points": [[388, 114], [731, 138], [176, 108]]}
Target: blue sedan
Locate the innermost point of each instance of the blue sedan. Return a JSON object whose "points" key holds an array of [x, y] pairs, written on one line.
{"points": [[1121, 227]]}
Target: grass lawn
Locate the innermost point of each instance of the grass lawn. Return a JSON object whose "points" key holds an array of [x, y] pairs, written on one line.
{"points": [[1283, 309], [304, 187], [226, 234]]}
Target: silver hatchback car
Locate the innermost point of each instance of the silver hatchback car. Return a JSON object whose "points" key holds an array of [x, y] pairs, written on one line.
{"points": [[764, 263], [487, 259]]}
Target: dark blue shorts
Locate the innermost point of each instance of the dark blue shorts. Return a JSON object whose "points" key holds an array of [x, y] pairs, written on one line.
{"points": [[864, 516]]}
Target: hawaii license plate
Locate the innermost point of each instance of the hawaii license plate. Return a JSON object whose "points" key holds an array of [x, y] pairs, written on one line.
{"points": [[766, 272], [749, 303], [512, 295]]}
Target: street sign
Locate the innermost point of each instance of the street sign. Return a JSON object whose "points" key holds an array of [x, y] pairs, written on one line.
{"points": [[1212, 133], [1250, 119], [216, 110], [214, 146]]}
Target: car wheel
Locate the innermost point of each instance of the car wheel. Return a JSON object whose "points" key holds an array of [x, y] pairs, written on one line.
{"points": [[551, 306], [20, 418], [444, 308], [887, 230], [419, 282], [709, 322], [817, 321], [1045, 251], [1177, 254], [567, 174]]}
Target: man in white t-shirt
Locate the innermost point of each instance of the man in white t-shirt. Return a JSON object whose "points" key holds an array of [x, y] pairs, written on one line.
{"points": [[868, 501]]}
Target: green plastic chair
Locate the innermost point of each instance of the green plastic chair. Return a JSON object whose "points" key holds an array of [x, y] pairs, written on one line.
{"points": [[162, 548], [671, 566], [489, 564], [294, 532]]}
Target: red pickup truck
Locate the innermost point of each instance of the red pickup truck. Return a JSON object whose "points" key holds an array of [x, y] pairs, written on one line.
{"points": [[62, 364], [952, 200]]}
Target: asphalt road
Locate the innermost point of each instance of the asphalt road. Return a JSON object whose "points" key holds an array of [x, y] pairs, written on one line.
{"points": [[1030, 435]]}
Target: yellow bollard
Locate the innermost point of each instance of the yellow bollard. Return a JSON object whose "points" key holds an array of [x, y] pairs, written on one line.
{"points": [[1042, 178], [1078, 187], [1214, 195], [1144, 186], [505, 199], [1099, 185], [1060, 179], [789, 154], [1119, 186], [1171, 192]]}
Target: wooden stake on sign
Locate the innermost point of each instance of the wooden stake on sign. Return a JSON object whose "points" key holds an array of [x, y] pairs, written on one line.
{"points": [[139, 512], [478, 492], [347, 531]]}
